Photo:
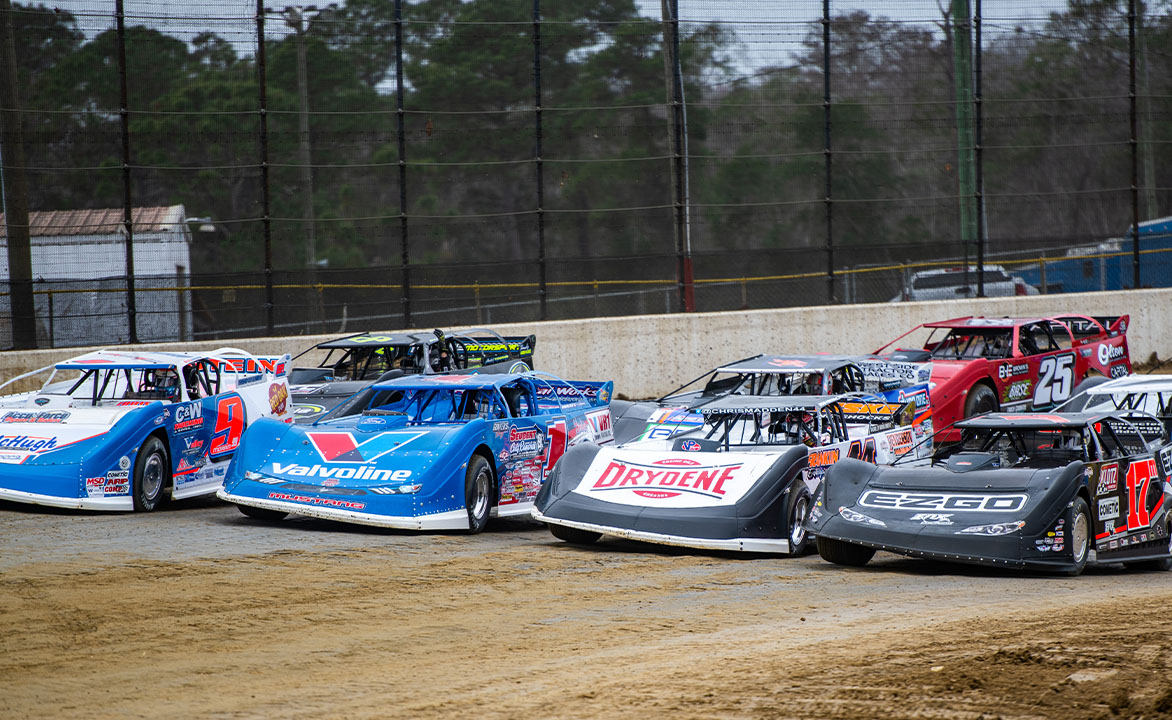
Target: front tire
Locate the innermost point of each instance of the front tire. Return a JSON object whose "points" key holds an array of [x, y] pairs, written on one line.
{"points": [[799, 537], [1080, 536], [478, 485], [574, 536], [152, 474], [257, 513], [981, 400], [844, 553]]}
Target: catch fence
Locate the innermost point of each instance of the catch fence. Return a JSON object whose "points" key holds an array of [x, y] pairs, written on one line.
{"points": [[236, 169]]}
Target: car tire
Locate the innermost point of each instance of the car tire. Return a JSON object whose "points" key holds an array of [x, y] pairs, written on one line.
{"points": [[795, 524], [844, 553], [152, 474], [257, 513], [574, 536], [981, 399], [1079, 536], [478, 483]]}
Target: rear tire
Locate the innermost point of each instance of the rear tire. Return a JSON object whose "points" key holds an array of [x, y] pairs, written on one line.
{"points": [[152, 474], [844, 553], [478, 485], [981, 400], [799, 537], [574, 536], [262, 513]]}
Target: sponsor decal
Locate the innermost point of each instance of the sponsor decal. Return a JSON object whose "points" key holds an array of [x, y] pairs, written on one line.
{"points": [[1108, 479], [366, 472], [124, 462], [1108, 508], [133, 403], [901, 441], [1107, 353], [943, 501], [341, 447], [522, 443], [919, 397], [600, 423], [1020, 390], [690, 446], [1165, 459], [188, 416], [41, 401], [933, 518], [786, 362], [904, 371], [27, 443], [321, 501], [821, 458], [278, 398], [656, 481], [1118, 371], [1009, 370], [43, 416], [253, 366], [500, 428], [306, 409]]}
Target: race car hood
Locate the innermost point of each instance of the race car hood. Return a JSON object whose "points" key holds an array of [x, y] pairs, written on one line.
{"points": [[991, 516], [684, 494], [310, 402], [38, 436], [362, 453]]}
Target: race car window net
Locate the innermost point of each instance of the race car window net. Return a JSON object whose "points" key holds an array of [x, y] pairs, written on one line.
{"points": [[967, 344], [755, 429]]}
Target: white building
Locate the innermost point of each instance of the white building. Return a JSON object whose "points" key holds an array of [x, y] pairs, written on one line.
{"points": [[79, 273]]}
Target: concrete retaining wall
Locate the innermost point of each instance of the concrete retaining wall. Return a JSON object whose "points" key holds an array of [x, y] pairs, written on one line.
{"points": [[649, 355]]}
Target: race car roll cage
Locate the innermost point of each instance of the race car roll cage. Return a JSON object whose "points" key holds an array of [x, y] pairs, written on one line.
{"points": [[759, 380]]}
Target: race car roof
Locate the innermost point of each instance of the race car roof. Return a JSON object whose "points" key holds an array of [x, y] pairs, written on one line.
{"points": [[985, 322], [462, 382], [767, 403], [789, 363], [377, 339], [1136, 384], [119, 360], [1043, 420]]}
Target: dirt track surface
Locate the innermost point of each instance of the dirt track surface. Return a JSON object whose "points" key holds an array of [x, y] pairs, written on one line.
{"points": [[201, 612]]}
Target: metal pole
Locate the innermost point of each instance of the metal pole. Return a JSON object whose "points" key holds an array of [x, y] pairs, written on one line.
{"points": [[15, 193], [979, 191], [295, 18], [1134, 143], [539, 162], [402, 162], [826, 150], [127, 219], [962, 72], [674, 75], [263, 111]]}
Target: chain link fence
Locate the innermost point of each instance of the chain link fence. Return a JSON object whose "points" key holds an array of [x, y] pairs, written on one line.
{"points": [[233, 168]]}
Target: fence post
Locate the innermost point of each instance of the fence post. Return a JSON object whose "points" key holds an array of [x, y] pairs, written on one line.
{"points": [[14, 191], [1134, 142], [402, 133], [826, 150], [979, 190], [127, 211], [539, 162], [267, 223], [670, 15]]}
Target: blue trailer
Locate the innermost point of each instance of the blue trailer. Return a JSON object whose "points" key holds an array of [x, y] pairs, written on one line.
{"points": [[1107, 265]]}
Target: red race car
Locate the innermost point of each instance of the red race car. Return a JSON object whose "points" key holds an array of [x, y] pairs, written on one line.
{"points": [[979, 364]]}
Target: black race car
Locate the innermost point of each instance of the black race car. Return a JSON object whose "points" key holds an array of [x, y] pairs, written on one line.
{"points": [[767, 375], [355, 361], [1035, 491]]}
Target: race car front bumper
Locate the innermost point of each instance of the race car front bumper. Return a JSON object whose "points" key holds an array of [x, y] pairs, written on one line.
{"points": [[327, 508]]}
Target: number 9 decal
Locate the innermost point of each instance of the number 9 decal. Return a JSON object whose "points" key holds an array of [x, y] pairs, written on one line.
{"points": [[1055, 380], [229, 426]]}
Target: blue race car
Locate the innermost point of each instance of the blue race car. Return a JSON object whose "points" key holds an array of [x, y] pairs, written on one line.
{"points": [[424, 453], [123, 430]]}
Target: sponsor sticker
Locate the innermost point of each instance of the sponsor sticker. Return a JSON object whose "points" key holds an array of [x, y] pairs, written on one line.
{"points": [[278, 398], [679, 479], [943, 501], [188, 416], [933, 518], [1107, 353], [1008, 370], [1108, 479], [43, 416], [1108, 508]]}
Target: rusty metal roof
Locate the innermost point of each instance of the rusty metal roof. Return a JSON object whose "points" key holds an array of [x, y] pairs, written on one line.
{"points": [[106, 221]]}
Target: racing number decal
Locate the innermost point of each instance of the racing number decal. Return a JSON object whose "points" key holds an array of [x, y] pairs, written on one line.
{"points": [[229, 426], [1055, 380], [1139, 476], [556, 446], [862, 450]]}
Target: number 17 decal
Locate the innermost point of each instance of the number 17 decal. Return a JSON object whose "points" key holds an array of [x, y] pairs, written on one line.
{"points": [[229, 426], [1139, 476]]}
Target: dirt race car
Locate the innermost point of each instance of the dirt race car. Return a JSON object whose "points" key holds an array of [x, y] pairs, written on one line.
{"points": [[771, 376], [424, 453], [741, 480], [115, 430], [1035, 491], [355, 361], [980, 365]]}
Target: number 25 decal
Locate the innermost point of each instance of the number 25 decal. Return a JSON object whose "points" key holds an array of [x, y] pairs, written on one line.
{"points": [[229, 426], [1055, 380]]}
